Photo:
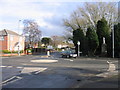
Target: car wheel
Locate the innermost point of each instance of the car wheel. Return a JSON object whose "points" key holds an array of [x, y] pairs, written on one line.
{"points": [[67, 56]]}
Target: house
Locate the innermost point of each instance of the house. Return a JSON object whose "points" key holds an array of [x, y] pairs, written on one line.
{"points": [[11, 41]]}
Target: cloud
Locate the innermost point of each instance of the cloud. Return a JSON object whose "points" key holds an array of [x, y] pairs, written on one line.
{"points": [[25, 10], [13, 11], [52, 30], [47, 13]]}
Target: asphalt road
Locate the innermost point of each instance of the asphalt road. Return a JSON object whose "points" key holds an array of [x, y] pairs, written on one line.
{"points": [[36, 71]]}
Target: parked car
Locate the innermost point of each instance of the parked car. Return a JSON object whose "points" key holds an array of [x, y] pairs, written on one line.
{"points": [[68, 54]]}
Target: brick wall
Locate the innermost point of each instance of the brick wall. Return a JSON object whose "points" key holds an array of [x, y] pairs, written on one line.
{"points": [[4, 43], [9, 42]]}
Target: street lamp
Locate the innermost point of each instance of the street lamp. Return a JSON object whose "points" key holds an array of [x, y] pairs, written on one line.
{"points": [[112, 33], [18, 37], [113, 41], [78, 48]]}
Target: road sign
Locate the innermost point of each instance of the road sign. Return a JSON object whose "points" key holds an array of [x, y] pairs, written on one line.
{"points": [[78, 42]]}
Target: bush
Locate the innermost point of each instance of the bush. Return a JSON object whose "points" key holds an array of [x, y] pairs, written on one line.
{"points": [[21, 51], [14, 51], [29, 50], [6, 51]]}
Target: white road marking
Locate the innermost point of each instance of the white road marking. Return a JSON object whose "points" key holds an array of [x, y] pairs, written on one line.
{"points": [[42, 69], [9, 66], [26, 64], [19, 67], [44, 61], [3, 66], [33, 69], [9, 80]]}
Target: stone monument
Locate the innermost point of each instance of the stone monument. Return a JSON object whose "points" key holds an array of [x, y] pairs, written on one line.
{"points": [[104, 47]]}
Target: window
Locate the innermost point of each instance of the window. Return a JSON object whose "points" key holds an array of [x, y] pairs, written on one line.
{"points": [[1, 38]]}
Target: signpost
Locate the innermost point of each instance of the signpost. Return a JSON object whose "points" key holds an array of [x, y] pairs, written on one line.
{"points": [[78, 48]]}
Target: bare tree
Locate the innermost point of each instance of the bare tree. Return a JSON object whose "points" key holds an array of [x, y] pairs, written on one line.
{"points": [[89, 15], [56, 40], [93, 12], [31, 31]]}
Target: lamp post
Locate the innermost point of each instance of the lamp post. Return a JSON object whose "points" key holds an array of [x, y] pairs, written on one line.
{"points": [[19, 38], [113, 42], [78, 48], [113, 33]]}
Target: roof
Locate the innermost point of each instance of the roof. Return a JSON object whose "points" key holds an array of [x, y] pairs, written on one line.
{"points": [[6, 32]]}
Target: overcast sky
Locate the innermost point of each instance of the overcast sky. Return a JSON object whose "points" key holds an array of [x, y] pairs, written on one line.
{"points": [[47, 13]]}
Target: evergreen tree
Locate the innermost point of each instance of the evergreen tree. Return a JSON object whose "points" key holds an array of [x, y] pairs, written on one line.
{"points": [[92, 41], [78, 35], [103, 31], [117, 39], [46, 40]]}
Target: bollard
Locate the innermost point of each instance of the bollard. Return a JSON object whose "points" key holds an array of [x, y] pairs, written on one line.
{"points": [[48, 53]]}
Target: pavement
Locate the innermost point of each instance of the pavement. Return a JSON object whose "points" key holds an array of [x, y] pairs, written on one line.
{"points": [[110, 82], [105, 80], [108, 79]]}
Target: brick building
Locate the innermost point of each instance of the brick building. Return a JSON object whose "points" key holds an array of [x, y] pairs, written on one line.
{"points": [[11, 41]]}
